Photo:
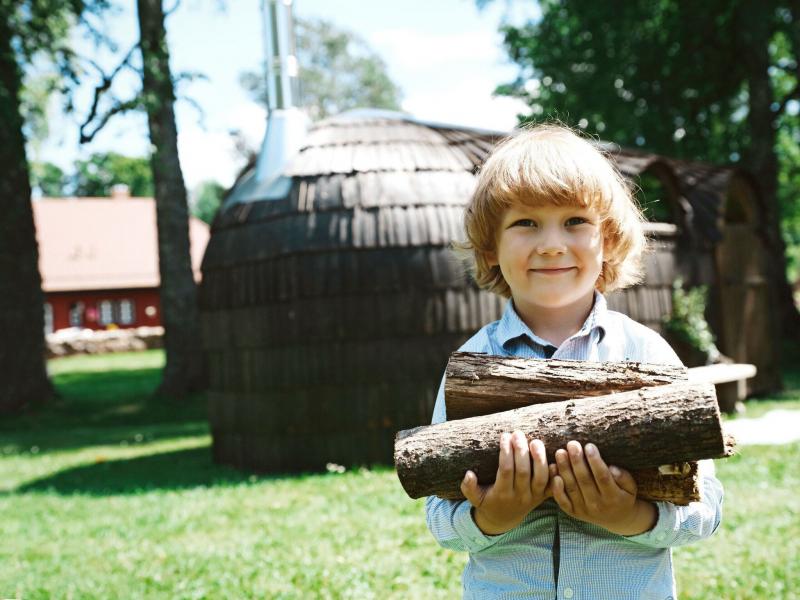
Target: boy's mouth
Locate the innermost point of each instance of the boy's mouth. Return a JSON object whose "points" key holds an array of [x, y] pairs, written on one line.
{"points": [[553, 271]]}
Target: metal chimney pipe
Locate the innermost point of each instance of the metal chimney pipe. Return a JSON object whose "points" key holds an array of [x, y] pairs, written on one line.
{"points": [[286, 124], [281, 63]]}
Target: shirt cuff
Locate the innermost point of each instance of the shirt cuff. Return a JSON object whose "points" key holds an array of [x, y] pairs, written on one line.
{"points": [[474, 539], [663, 532]]}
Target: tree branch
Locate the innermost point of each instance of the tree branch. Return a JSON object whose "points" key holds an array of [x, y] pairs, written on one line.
{"points": [[118, 107], [105, 85], [168, 12]]}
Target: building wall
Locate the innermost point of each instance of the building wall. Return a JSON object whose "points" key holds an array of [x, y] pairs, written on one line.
{"points": [[122, 308]]}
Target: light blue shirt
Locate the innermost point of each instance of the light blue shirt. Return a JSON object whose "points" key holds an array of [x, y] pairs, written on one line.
{"points": [[594, 564]]}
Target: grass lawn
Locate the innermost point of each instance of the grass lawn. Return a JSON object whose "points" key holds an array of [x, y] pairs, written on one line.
{"points": [[109, 493]]}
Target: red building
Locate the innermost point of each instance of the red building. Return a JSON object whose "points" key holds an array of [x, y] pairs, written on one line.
{"points": [[99, 261]]}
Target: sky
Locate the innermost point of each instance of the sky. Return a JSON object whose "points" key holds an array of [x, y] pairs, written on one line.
{"points": [[445, 55]]}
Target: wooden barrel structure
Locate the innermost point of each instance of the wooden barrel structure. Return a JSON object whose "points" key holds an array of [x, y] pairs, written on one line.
{"points": [[328, 314]]}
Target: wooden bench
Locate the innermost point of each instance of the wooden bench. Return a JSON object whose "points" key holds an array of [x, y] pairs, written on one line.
{"points": [[730, 379]]}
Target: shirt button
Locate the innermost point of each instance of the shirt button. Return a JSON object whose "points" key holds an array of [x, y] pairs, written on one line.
{"points": [[568, 593]]}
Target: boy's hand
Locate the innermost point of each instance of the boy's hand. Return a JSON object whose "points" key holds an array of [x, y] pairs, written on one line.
{"points": [[522, 484], [587, 489]]}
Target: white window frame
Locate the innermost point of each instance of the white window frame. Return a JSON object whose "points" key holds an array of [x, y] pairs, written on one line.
{"points": [[126, 312], [105, 312]]}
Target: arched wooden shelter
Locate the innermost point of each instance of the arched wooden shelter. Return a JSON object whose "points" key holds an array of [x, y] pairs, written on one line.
{"points": [[328, 314]]}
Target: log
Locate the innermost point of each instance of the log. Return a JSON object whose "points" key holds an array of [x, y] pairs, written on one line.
{"points": [[676, 483], [481, 384], [635, 430]]}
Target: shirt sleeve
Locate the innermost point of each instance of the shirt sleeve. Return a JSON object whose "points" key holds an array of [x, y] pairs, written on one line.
{"points": [[679, 525], [450, 521]]}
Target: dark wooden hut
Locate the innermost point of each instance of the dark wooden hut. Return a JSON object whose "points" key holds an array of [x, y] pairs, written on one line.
{"points": [[328, 314]]}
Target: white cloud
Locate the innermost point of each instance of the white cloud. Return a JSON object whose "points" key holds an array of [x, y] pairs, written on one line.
{"points": [[210, 154], [413, 50], [469, 104]]}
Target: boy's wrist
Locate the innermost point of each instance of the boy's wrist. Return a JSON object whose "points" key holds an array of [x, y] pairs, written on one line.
{"points": [[642, 519], [487, 525]]}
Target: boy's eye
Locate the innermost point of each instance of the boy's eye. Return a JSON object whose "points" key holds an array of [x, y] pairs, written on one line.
{"points": [[576, 221], [524, 223]]}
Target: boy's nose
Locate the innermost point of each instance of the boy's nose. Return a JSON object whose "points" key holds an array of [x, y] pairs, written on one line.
{"points": [[551, 244]]}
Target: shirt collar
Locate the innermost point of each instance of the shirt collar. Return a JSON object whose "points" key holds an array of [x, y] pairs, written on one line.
{"points": [[511, 326]]}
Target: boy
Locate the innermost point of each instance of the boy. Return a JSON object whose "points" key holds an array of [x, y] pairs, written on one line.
{"points": [[551, 226]]}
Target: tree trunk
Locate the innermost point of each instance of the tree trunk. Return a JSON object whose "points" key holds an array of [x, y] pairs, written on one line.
{"points": [[184, 369], [24, 379], [762, 158], [481, 384], [639, 429]]}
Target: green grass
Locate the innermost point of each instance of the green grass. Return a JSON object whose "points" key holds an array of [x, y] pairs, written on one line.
{"points": [[111, 493]]}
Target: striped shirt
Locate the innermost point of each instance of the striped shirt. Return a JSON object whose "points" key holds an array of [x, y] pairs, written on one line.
{"points": [[592, 563]]}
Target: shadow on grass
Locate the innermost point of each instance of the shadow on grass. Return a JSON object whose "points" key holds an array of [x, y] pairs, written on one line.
{"points": [[178, 470], [105, 407]]}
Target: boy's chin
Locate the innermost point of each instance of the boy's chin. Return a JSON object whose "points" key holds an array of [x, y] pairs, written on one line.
{"points": [[558, 301]]}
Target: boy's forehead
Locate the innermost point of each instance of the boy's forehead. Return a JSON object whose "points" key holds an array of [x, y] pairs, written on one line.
{"points": [[545, 208]]}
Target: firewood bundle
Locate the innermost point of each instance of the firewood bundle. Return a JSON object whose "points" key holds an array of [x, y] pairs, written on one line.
{"points": [[644, 418]]}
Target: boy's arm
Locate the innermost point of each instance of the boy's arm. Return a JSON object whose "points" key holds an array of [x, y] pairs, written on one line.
{"points": [[587, 489], [450, 521], [679, 525]]}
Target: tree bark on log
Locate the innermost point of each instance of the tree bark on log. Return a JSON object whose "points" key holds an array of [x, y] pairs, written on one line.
{"points": [[635, 430], [481, 384]]}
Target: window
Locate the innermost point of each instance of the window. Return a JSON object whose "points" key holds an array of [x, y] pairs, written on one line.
{"points": [[126, 312], [105, 308], [76, 314], [48, 318]]}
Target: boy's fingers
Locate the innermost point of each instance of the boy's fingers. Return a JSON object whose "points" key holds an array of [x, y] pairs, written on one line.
{"points": [[541, 470], [522, 461], [560, 495], [505, 464], [583, 475], [624, 479], [602, 475], [567, 477]]}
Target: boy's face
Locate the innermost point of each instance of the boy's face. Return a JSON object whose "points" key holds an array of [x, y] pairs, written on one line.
{"points": [[550, 256]]}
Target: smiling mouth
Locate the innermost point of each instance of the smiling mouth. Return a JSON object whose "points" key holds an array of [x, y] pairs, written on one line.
{"points": [[553, 271]]}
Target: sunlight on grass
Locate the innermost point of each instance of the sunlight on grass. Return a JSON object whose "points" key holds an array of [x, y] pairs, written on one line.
{"points": [[112, 493]]}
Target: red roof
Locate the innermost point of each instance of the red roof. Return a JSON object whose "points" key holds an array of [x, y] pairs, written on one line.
{"points": [[100, 243]]}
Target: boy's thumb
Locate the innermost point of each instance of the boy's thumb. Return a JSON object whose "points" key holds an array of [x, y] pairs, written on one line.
{"points": [[624, 479], [469, 487]]}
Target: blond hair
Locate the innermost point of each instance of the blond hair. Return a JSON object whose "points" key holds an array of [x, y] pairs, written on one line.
{"points": [[550, 165]]}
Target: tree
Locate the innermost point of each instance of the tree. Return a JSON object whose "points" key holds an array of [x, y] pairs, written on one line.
{"points": [[27, 29], [705, 80], [338, 71], [184, 369], [208, 198], [49, 179], [96, 176]]}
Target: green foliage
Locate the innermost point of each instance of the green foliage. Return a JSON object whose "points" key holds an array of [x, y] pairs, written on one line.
{"points": [[96, 176], [338, 71], [48, 179], [621, 70], [208, 198], [688, 321], [114, 495], [673, 77]]}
